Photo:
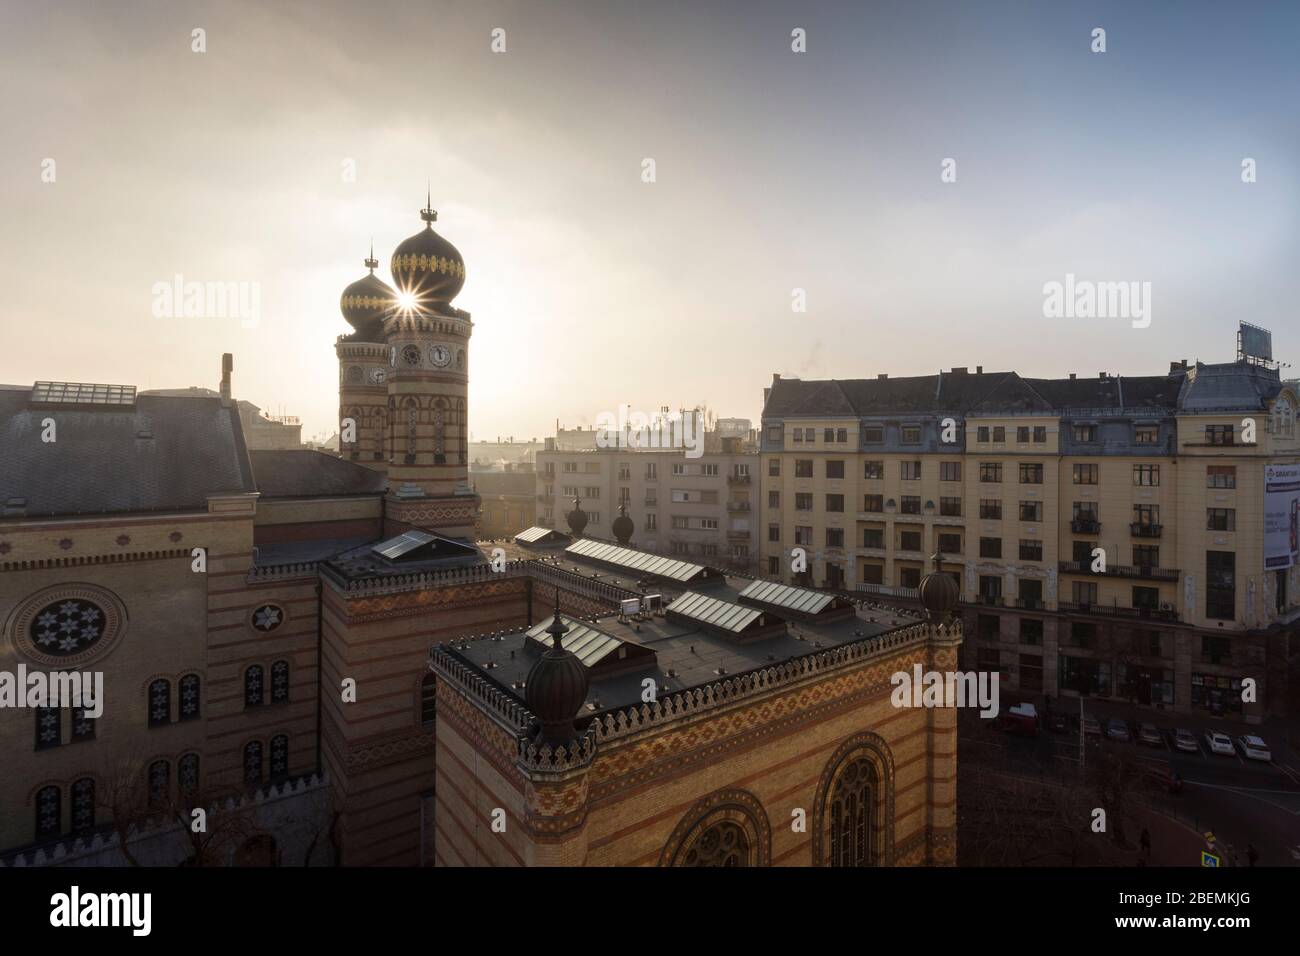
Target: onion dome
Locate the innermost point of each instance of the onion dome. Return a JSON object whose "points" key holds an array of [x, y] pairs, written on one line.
{"points": [[577, 517], [426, 266], [623, 526], [365, 302], [556, 686], [939, 592]]}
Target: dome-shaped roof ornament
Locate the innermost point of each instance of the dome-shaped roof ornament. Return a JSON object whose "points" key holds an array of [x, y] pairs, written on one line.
{"points": [[365, 302], [428, 269], [577, 517], [556, 686], [938, 592], [623, 526]]}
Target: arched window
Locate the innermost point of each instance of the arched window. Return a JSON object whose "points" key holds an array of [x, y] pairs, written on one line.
{"points": [[462, 433], [253, 763], [411, 425], [279, 682], [279, 757], [428, 699], [49, 812], [722, 844], [187, 775], [83, 805], [159, 780], [83, 727], [253, 686], [851, 815], [49, 727], [160, 702], [189, 692], [439, 432]]}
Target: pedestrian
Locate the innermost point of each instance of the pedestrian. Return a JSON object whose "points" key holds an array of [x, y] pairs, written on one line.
{"points": [[1252, 855], [1145, 841]]}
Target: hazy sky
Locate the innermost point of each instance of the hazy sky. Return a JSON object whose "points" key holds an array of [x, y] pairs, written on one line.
{"points": [[775, 171]]}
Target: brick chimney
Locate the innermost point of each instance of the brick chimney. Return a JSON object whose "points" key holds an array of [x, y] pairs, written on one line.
{"points": [[227, 366]]}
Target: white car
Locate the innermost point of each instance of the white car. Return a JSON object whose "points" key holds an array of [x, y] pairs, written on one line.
{"points": [[1185, 741], [1254, 748], [1220, 744]]}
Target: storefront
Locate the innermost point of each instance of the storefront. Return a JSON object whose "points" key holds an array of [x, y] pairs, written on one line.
{"points": [[1216, 694], [1085, 676], [1142, 684]]}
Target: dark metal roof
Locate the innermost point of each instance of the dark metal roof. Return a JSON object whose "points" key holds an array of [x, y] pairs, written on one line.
{"points": [[641, 562], [160, 454], [307, 473]]}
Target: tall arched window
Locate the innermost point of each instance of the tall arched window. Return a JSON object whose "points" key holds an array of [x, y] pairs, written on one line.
{"points": [[189, 691], [159, 781], [160, 702], [253, 686], [439, 432], [411, 426], [279, 757], [49, 812], [851, 804], [253, 763], [49, 727], [279, 682], [187, 775], [462, 433], [83, 727], [83, 805], [428, 699]]}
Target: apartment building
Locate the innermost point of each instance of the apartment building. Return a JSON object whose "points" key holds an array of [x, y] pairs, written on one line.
{"points": [[1112, 536], [702, 508]]}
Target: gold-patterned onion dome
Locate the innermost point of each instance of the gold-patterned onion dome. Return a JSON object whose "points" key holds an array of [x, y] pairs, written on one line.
{"points": [[365, 302], [427, 266]]}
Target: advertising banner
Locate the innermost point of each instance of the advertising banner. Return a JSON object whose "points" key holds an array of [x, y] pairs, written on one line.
{"points": [[1281, 516]]}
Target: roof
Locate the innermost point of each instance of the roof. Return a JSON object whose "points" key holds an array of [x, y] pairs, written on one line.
{"points": [[416, 545], [162, 453], [802, 603], [592, 646], [308, 473], [537, 536], [641, 562], [718, 615]]}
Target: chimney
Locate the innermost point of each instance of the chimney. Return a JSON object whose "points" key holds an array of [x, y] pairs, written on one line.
{"points": [[979, 369], [959, 370], [1173, 366], [1184, 363], [227, 366], [1102, 376], [882, 376], [1073, 376]]}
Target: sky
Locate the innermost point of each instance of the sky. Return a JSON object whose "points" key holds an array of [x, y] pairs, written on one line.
{"points": [[774, 171]]}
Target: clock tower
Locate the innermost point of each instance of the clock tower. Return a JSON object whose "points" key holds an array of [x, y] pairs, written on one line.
{"points": [[427, 379]]}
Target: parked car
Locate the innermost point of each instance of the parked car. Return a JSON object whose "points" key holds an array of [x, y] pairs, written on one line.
{"points": [[1220, 744], [1164, 775], [1091, 727], [1021, 719], [1149, 734], [1117, 729], [1185, 740], [1059, 723], [1254, 748]]}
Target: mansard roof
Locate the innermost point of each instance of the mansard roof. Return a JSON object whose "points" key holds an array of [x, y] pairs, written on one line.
{"points": [[307, 473]]}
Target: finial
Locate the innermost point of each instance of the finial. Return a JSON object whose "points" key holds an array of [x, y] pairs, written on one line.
{"points": [[372, 263], [427, 213], [557, 630]]}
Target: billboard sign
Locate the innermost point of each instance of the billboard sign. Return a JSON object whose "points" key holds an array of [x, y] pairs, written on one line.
{"points": [[1255, 342], [1281, 516]]}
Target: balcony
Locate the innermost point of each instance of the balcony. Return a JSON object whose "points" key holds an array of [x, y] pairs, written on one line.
{"points": [[1114, 610], [737, 505], [738, 534], [735, 479], [1121, 571], [990, 600], [1085, 526], [1142, 530], [1029, 604], [652, 502]]}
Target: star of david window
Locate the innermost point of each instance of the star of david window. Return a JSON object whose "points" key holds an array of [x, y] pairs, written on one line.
{"points": [[722, 844], [49, 812], [160, 702], [83, 805], [279, 757], [187, 774], [253, 686], [189, 707], [83, 727], [67, 627], [158, 779], [49, 727], [253, 762], [268, 617], [279, 682]]}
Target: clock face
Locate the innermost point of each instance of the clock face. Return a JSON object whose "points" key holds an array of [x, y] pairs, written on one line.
{"points": [[440, 355], [411, 355], [377, 376]]}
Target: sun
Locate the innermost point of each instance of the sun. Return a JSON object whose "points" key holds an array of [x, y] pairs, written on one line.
{"points": [[406, 300]]}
